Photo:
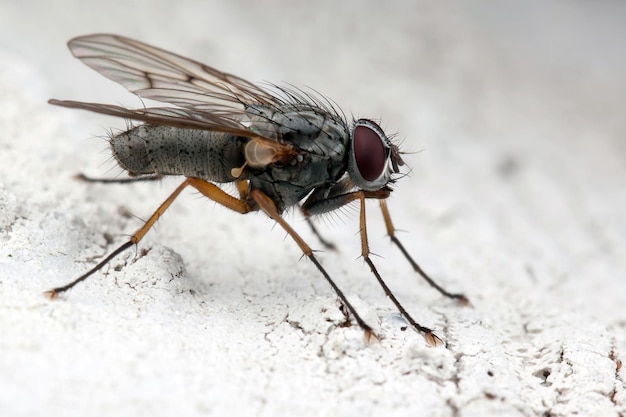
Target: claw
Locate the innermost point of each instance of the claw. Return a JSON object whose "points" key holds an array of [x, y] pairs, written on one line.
{"points": [[433, 340], [463, 300], [370, 337], [51, 294]]}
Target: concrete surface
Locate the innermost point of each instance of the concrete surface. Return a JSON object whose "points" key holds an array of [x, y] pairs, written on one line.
{"points": [[516, 196]]}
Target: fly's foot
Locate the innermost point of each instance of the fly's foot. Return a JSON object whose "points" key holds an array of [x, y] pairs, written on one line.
{"points": [[432, 339], [51, 294], [461, 299], [370, 337]]}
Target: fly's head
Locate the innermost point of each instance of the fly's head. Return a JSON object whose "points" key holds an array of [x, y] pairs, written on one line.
{"points": [[373, 158]]}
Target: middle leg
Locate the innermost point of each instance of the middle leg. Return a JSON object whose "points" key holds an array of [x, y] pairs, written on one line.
{"points": [[268, 206]]}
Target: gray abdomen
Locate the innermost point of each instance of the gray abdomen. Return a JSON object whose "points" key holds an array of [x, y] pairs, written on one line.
{"points": [[165, 150]]}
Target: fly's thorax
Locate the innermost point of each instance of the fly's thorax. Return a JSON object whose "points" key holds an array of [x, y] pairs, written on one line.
{"points": [[321, 140], [166, 150], [317, 134]]}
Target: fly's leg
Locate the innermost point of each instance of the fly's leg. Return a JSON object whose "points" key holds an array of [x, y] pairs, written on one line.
{"points": [[144, 178], [391, 232], [431, 338], [321, 205], [215, 193], [268, 206], [206, 188], [243, 187], [134, 239]]}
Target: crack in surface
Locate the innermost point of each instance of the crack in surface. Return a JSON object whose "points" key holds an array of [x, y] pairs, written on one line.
{"points": [[619, 381]]}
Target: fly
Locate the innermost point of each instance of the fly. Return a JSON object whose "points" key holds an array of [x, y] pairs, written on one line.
{"points": [[282, 147]]}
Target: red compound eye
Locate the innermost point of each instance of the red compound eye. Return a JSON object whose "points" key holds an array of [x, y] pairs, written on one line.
{"points": [[369, 152]]}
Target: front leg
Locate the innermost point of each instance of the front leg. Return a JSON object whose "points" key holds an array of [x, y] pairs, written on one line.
{"points": [[317, 204], [461, 298], [324, 200]]}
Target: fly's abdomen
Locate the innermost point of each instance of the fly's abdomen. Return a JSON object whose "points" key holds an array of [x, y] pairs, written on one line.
{"points": [[165, 150]]}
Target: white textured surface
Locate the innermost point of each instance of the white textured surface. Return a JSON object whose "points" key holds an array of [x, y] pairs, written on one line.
{"points": [[518, 200]]}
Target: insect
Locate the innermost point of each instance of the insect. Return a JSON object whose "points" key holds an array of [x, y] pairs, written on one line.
{"points": [[281, 147]]}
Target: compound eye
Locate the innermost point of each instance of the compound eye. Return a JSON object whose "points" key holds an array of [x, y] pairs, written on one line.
{"points": [[369, 151]]}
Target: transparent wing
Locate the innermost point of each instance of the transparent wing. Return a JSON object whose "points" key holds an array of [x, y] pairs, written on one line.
{"points": [[207, 99], [156, 74], [168, 116]]}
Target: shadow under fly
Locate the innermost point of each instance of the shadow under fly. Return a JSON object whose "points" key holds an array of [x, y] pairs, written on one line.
{"points": [[281, 147]]}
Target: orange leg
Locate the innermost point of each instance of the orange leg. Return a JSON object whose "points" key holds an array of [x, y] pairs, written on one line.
{"points": [[206, 188], [317, 204], [215, 193], [268, 206], [431, 338], [244, 189], [391, 232]]}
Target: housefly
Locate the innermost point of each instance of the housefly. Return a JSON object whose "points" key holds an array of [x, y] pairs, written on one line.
{"points": [[281, 147]]}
